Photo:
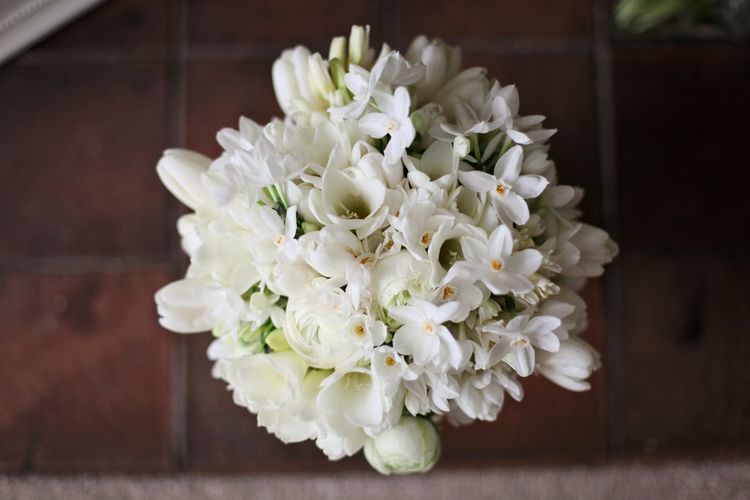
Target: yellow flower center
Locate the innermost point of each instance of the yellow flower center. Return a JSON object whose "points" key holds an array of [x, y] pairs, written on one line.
{"points": [[391, 126], [501, 190], [520, 342], [359, 329], [390, 361], [365, 260], [427, 327], [279, 240], [496, 264], [425, 239], [448, 292]]}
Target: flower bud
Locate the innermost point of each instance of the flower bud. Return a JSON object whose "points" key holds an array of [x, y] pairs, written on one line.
{"points": [[461, 146], [320, 80], [571, 365], [359, 44], [337, 49], [412, 445], [181, 172]]}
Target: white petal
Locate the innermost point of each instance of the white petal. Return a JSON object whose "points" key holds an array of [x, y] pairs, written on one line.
{"points": [[523, 360], [500, 243], [515, 208], [479, 182], [524, 262], [530, 186], [508, 166], [374, 124]]}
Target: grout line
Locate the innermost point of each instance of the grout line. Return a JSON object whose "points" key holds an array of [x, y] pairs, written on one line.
{"points": [[604, 85], [176, 136], [84, 264], [63, 57]]}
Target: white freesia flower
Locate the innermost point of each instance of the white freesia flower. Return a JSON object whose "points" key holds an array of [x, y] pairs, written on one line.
{"points": [[362, 266], [352, 402], [413, 445], [349, 202]]}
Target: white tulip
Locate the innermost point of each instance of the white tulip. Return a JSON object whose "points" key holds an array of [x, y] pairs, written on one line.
{"points": [[571, 365], [413, 445], [194, 305], [291, 83], [181, 171]]}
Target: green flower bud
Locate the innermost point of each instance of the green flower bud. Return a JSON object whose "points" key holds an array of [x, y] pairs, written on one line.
{"points": [[412, 445]]}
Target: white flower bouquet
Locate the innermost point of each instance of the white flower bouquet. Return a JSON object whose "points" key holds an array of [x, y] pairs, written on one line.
{"points": [[395, 251]]}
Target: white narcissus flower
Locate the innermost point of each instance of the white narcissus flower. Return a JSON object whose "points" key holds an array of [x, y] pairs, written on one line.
{"points": [[392, 120], [506, 188], [521, 334], [442, 62], [571, 365], [413, 445], [495, 264], [423, 335]]}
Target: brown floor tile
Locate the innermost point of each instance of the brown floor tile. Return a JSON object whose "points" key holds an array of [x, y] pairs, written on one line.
{"points": [[117, 24], [219, 92], [550, 425], [286, 22], [491, 20], [86, 374], [78, 146], [559, 87], [682, 147], [686, 338]]}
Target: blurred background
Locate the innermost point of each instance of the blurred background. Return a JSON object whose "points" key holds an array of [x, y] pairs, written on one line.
{"points": [[651, 107]]}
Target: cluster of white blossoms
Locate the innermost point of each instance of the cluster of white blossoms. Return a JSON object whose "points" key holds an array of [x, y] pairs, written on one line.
{"points": [[395, 250]]}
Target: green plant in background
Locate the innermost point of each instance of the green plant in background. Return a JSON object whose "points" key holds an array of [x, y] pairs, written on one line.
{"points": [[680, 18]]}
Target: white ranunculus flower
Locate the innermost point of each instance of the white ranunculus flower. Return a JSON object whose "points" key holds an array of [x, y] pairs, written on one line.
{"points": [[278, 388], [181, 171], [320, 328], [398, 277], [571, 365], [412, 445]]}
